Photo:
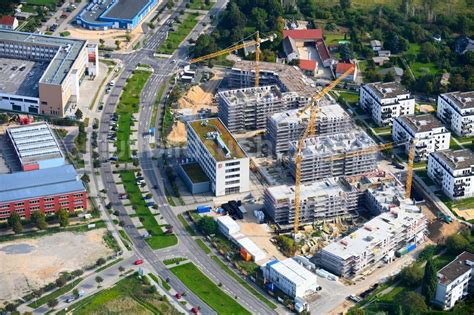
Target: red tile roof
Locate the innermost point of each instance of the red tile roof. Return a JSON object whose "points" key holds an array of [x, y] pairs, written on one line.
{"points": [[322, 50], [342, 67], [7, 20], [304, 34], [309, 65]]}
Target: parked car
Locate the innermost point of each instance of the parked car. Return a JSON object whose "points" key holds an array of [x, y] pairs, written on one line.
{"points": [[138, 262]]}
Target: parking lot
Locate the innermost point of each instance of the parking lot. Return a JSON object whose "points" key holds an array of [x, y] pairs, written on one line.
{"points": [[20, 77]]}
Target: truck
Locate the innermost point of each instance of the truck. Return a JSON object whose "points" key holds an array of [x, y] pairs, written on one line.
{"points": [[203, 209], [446, 218]]}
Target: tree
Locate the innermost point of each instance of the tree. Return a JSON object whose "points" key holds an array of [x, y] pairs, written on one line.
{"points": [[411, 276], [412, 303], [10, 307], [389, 77], [39, 220], [430, 281], [346, 52], [60, 282], [205, 45], [287, 245], [63, 216], [52, 303], [78, 114], [356, 311], [14, 221], [75, 293], [345, 4], [456, 244], [100, 261], [117, 44], [101, 41], [259, 17], [85, 178], [99, 280], [207, 225], [121, 269]]}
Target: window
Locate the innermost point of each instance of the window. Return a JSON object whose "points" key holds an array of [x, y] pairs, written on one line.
{"points": [[49, 206], [230, 170], [232, 182], [63, 197], [34, 202], [35, 208], [48, 199], [232, 176], [77, 195], [19, 204], [64, 203], [232, 163]]}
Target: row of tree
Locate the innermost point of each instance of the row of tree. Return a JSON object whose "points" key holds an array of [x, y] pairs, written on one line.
{"points": [[38, 219]]}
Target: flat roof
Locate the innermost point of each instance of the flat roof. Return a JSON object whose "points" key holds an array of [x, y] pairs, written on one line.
{"points": [[44, 182], [321, 188], [387, 89], [21, 77], [126, 9], [228, 222], [217, 139], [250, 95], [68, 51], [195, 172], [373, 232], [421, 123], [326, 112], [34, 142], [456, 268], [456, 159], [93, 11], [463, 100], [293, 271], [340, 143], [291, 76], [251, 248]]}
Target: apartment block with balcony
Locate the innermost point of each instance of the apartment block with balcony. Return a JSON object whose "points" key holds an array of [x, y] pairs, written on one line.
{"points": [[377, 240], [220, 156], [455, 281], [456, 110], [288, 126], [429, 134], [453, 170], [385, 101]]}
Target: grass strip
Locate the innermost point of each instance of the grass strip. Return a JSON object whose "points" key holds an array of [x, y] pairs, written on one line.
{"points": [[186, 225], [175, 38], [158, 238], [203, 245], [207, 290], [109, 264], [55, 294], [244, 283]]}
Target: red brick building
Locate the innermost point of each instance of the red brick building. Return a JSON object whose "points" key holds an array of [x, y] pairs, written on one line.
{"points": [[45, 190]]}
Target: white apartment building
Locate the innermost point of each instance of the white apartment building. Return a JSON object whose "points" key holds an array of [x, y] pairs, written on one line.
{"points": [[219, 155], [455, 281], [386, 101], [290, 277], [456, 109], [429, 133], [453, 170], [379, 238], [288, 126]]}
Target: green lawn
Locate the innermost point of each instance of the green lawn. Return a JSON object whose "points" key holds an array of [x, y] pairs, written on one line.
{"points": [[350, 97], [41, 2], [207, 291], [128, 296], [128, 105], [464, 140], [203, 245], [158, 238], [55, 294], [172, 261], [176, 37], [419, 68], [186, 225], [200, 5], [334, 38], [243, 283], [157, 104], [454, 145]]}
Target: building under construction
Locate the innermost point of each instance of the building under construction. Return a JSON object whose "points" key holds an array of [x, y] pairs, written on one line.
{"points": [[378, 240], [288, 126], [248, 108], [335, 155], [287, 78], [320, 201]]}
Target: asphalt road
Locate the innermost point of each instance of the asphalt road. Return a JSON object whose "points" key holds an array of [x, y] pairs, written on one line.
{"points": [[163, 69]]}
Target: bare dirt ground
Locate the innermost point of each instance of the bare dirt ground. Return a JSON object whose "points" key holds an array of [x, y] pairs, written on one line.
{"points": [[28, 264], [426, 108], [439, 230]]}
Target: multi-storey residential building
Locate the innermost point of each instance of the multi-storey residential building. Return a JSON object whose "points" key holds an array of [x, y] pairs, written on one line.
{"points": [[378, 239], [46, 190], [456, 110], [219, 155], [288, 126], [35, 146], [44, 72], [453, 170], [386, 101], [290, 277], [248, 109], [325, 200], [334, 156], [455, 281], [429, 134]]}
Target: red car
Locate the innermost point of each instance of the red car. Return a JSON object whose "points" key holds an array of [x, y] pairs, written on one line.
{"points": [[195, 310], [177, 295], [138, 262]]}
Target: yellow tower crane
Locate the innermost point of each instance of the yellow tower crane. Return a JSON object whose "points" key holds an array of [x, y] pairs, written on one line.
{"points": [[251, 43], [310, 131], [411, 158]]}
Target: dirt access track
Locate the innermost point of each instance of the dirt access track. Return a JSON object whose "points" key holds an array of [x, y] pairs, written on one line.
{"points": [[28, 264]]}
